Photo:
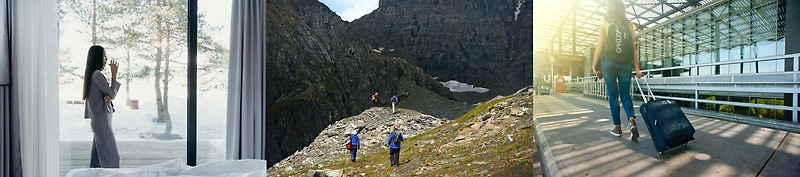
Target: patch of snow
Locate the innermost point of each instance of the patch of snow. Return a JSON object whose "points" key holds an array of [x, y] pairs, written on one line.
{"points": [[523, 89], [519, 5], [379, 50], [391, 50], [456, 86]]}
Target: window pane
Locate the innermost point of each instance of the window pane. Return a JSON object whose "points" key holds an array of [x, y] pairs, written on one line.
{"points": [[150, 121], [724, 69], [735, 68], [704, 57], [212, 84], [767, 66], [766, 48], [736, 53], [724, 54], [747, 51]]}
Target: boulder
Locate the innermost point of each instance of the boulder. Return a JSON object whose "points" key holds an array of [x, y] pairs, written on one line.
{"points": [[325, 173]]}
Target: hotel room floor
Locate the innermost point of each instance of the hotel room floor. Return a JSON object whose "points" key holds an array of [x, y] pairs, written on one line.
{"points": [[75, 154]]}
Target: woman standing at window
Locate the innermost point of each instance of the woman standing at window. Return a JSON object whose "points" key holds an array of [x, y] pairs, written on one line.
{"points": [[98, 94], [616, 43]]}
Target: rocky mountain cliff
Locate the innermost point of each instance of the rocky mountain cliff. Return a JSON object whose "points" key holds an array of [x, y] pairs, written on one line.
{"points": [[494, 139], [320, 73], [487, 43]]}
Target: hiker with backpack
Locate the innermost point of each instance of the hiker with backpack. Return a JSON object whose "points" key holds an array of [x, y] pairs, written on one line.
{"points": [[375, 99], [395, 137], [394, 101], [353, 143], [616, 44]]}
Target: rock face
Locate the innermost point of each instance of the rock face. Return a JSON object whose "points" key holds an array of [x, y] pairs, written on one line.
{"points": [[373, 126], [318, 73], [487, 43]]}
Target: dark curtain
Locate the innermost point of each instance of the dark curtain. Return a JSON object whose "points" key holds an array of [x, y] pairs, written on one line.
{"points": [[10, 158]]}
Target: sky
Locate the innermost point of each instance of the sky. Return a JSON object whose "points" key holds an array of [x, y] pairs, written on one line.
{"points": [[350, 10]]}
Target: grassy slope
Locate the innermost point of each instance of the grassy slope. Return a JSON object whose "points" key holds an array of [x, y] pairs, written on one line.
{"points": [[424, 153]]}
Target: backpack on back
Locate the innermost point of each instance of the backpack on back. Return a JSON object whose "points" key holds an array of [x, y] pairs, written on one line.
{"points": [[619, 42], [396, 138]]}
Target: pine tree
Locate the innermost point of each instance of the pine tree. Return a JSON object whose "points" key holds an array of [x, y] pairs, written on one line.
{"points": [[154, 31]]}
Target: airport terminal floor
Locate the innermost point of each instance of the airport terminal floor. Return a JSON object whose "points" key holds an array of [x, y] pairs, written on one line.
{"points": [[572, 133]]}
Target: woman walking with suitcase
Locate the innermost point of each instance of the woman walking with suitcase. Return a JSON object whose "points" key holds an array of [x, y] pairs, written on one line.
{"points": [[616, 45]]}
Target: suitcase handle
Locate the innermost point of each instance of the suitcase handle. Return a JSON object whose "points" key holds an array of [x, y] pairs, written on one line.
{"points": [[648, 89]]}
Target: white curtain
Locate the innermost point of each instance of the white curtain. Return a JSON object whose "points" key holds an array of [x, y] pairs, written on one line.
{"points": [[34, 55], [247, 124]]}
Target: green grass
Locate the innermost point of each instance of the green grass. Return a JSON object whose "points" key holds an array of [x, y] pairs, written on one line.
{"points": [[502, 149], [478, 110], [448, 165], [460, 149]]}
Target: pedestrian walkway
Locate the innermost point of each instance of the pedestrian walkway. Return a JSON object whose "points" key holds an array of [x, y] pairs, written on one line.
{"points": [[572, 132]]}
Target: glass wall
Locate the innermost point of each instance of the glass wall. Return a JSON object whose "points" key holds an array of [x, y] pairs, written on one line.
{"points": [[732, 30], [150, 121], [212, 81], [725, 31]]}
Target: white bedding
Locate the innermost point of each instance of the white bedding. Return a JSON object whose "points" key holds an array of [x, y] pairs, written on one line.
{"points": [[176, 167]]}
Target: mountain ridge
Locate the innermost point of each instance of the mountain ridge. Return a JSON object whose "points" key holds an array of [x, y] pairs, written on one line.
{"points": [[319, 73], [486, 43]]}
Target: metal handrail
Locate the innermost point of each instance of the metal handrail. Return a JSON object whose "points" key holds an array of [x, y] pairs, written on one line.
{"points": [[776, 57], [595, 88]]}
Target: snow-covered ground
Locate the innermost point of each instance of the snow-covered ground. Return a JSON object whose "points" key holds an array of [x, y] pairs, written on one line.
{"points": [[137, 125], [456, 86]]}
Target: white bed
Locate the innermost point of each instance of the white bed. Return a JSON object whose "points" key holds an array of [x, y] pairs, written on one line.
{"points": [[176, 167]]}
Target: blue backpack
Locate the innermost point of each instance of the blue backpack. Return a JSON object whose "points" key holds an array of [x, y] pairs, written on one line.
{"points": [[354, 140], [394, 98]]}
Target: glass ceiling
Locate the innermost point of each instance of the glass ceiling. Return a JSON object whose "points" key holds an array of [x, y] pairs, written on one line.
{"points": [[569, 26]]}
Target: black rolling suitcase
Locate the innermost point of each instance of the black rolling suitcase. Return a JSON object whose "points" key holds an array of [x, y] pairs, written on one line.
{"points": [[665, 121]]}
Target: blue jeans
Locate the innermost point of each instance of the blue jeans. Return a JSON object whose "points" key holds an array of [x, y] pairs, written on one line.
{"points": [[617, 78], [353, 153]]}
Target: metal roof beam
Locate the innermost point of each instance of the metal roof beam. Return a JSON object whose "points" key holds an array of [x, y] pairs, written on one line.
{"points": [[678, 9]]}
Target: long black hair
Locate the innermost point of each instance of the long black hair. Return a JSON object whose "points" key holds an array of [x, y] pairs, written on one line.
{"points": [[94, 62]]}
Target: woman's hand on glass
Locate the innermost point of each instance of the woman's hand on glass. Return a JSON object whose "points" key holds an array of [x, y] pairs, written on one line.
{"points": [[114, 65]]}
